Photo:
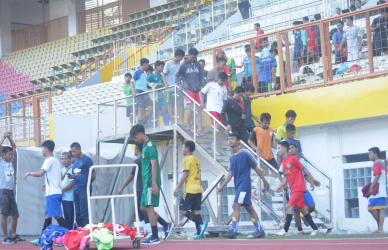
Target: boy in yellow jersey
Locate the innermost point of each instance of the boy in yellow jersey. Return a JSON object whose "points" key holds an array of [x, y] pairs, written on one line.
{"points": [[281, 133], [192, 193]]}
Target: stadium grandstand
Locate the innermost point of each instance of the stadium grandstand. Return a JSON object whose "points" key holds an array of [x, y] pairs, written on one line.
{"points": [[64, 71]]}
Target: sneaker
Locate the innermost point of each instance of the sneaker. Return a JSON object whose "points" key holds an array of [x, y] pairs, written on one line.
{"points": [[59, 245], [35, 242], [168, 230], [314, 232], [9, 241], [282, 233], [229, 235], [301, 232], [198, 236], [200, 133], [259, 234], [151, 241], [203, 227], [18, 239]]}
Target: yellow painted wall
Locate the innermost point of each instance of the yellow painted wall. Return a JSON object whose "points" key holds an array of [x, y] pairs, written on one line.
{"points": [[106, 72], [361, 99], [51, 127]]}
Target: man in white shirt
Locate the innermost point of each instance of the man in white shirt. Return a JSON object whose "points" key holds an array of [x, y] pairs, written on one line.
{"points": [[216, 95], [352, 37], [359, 5], [51, 169]]}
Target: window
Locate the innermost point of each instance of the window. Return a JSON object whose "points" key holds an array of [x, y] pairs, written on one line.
{"points": [[360, 157]]}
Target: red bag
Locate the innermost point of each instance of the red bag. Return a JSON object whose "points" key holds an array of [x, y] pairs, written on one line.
{"points": [[365, 190], [122, 230], [343, 52]]}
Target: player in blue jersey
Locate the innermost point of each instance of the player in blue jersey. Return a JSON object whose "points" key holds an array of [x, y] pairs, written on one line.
{"points": [[240, 165]]}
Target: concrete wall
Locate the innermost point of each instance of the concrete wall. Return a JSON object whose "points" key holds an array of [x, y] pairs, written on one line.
{"points": [[30, 12], [154, 3]]}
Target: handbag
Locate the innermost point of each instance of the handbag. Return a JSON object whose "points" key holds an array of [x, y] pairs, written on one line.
{"points": [[365, 189]]}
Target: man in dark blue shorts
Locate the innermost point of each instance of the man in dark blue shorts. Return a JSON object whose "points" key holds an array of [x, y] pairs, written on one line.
{"points": [[241, 163]]}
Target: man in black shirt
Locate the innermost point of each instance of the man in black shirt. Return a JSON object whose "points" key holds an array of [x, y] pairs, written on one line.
{"points": [[233, 114], [379, 28], [352, 6]]}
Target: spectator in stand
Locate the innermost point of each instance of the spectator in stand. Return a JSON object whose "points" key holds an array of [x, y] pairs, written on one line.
{"points": [[67, 190], [318, 17], [300, 43], [352, 6], [338, 11], [359, 5], [277, 81], [267, 72], [306, 20], [80, 173], [217, 94], [381, 2], [266, 47], [312, 42], [7, 195], [232, 69], [377, 203], [128, 90], [155, 80], [352, 37], [261, 140], [190, 72], [340, 57], [149, 70], [233, 114], [259, 31], [142, 102], [249, 124], [290, 119], [379, 28], [213, 74], [247, 65], [168, 79]]}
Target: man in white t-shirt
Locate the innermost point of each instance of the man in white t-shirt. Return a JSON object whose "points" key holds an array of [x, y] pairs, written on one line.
{"points": [[352, 37], [51, 169], [377, 203], [216, 95]]}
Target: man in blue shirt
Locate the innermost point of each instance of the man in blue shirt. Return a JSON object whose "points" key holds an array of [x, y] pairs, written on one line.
{"points": [[67, 190], [81, 166], [142, 102], [247, 65], [300, 46], [340, 57], [267, 72], [240, 165], [379, 28]]}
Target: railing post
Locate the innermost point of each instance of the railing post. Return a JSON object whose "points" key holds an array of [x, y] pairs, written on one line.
{"points": [[288, 60], [194, 121], [253, 58], [281, 62], [176, 106], [154, 108], [323, 51], [369, 42]]}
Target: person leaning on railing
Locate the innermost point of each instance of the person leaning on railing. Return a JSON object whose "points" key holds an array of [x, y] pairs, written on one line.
{"points": [[379, 29]]}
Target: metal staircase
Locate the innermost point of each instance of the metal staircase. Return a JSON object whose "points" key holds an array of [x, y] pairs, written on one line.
{"points": [[271, 204]]}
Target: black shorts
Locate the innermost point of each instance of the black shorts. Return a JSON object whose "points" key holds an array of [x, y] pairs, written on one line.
{"points": [[247, 79], [142, 101], [129, 111], [190, 202], [8, 203]]}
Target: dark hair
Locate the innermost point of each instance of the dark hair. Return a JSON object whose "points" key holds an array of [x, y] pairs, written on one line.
{"points": [[340, 22], [190, 145], [127, 74], [237, 135], [201, 60], [265, 116], [264, 39], [239, 89], [375, 150], [143, 61], [158, 63], [6, 149], [292, 144], [249, 88], [247, 49], [137, 128], [290, 113], [193, 51], [273, 51], [221, 59], [223, 76], [284, 144], [306, 18], [317, 17], [290, 127], [138, 146], [150, 68], [350, 18], [358, 1], [246, 46], [75, 145], [68, 154], [49, 144], [295, 23], [257, 24], [179, 52]]}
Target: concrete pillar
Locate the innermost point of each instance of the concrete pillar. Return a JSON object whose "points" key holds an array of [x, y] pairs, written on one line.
{"points": [[74, 6], [5, 27]]}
